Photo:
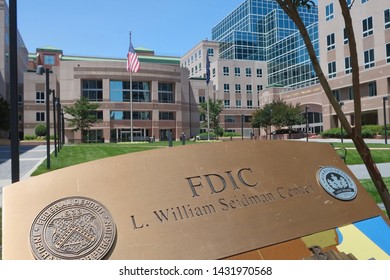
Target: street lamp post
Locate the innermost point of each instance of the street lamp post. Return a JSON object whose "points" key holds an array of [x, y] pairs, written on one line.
{"points": [[384, 116], [40, 71], [341, 125], [307, 123], [242, 127], [62, 127], [58, 107], [14, 112], [54, 123]]}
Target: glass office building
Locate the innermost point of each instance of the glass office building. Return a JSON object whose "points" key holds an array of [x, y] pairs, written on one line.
{"points": [[260, 30]]}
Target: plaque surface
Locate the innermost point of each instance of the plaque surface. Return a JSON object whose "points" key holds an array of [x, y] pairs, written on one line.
{"points": [[204, 201]]}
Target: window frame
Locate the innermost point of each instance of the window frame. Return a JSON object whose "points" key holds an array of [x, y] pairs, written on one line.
{"points": [[369, 58]]}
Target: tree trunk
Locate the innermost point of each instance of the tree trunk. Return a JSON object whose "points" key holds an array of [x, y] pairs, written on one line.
{"points": [[354, 133]]}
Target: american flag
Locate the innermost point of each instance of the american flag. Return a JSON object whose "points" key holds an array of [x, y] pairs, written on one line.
{"points": [[132, 59]]}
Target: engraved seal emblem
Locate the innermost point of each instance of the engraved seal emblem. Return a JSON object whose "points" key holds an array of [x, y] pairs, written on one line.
{"points": [[337, 183], [72, 228]]}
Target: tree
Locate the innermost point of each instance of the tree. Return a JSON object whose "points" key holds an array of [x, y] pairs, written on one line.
{"points": [[290, 7], [4, 114], [215, 109], [278, 114], [262, 118], [83, 115]]}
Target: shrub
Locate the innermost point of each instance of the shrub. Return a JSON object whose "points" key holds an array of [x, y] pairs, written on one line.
{"points": [[29, 137], [231, 134], [203, 136], [368, 131], [333, 133], [40, 130]]}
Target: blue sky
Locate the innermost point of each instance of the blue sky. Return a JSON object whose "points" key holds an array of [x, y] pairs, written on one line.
{"points": [[101, 28]]}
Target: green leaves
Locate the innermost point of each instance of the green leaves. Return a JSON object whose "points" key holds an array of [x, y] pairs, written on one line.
{"points": [[82, 114], [278, 114], [215, 109]]}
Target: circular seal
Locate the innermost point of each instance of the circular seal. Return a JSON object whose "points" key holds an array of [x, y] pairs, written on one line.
{"points": [[337, 183], [72, 228]]}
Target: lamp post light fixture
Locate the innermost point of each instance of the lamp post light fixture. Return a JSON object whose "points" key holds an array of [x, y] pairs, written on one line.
{"points": [[341, 125], [384, 116], [40, 71]]}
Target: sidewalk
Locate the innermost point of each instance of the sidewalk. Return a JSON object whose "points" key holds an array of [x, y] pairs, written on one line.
{"points": [[30, 158]]}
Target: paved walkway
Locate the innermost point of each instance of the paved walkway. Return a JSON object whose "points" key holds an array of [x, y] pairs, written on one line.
{"points": [[30, 158]]}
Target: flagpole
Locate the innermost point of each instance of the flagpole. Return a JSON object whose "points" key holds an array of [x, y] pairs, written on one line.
{"points": [[131, 103], [208, 112], [131, 107], [208, 94]]}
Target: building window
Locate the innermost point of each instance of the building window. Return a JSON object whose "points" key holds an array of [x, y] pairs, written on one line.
{"points": [[238, 103], [346, 41], [248, 72], [364, 1], [348, 67], [388, 53], [40, 116], [39, 97], [226, 71], [330, 42], [367, 27], [213, 72], [226, 103], [259, 73], [369, 59], [120, 91], [166, 93], [249, 104], [230, 119], [336, 94], [259, 88], [329, 13], [92, 90], [332, 69], [372, 89], [350, 93], [202, 99], [166, 116], [125, 115], [249, 89], [226, 88], [349, 2], [387, 18], [99, 115], [238, 88], [210, 52], [237, 71]]}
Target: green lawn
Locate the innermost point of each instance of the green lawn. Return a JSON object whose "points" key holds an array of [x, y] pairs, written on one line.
{"points": [[75, 154], [370, 188], [380, 153]]}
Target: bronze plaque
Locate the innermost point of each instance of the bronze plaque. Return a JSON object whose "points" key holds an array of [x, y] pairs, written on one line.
{"points": [[204, 201]]}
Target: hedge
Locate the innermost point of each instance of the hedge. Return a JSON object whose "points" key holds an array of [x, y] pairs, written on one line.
{"points": [[368, 131]]}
